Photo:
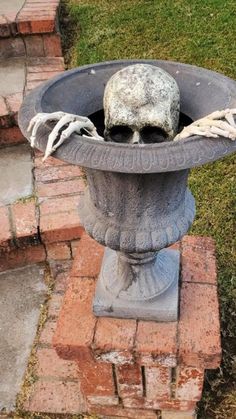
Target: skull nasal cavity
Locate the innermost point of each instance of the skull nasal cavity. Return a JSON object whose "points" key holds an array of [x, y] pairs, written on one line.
{"points": [[121, 134], [151, 134]]}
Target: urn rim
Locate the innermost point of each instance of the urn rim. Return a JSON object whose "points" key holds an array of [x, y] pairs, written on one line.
{"points": [[210, 90]]}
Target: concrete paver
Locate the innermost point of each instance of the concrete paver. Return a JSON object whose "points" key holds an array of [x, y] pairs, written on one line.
{"points": [[16, 179], [12, 76], [21, 293], [11, 6]]}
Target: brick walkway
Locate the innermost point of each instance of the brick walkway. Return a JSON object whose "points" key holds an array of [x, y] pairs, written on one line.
{"points": [[44, 222], [41, 223]]}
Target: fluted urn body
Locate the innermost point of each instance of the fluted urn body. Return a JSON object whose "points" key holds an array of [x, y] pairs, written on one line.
{"points": [[137, 201]]}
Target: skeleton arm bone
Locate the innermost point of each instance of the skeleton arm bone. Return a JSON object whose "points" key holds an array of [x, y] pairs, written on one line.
{"points": [[218, 123], [67, 124]]}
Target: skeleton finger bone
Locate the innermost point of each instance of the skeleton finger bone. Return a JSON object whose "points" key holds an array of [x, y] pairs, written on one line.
{"points": [[40, 119]]}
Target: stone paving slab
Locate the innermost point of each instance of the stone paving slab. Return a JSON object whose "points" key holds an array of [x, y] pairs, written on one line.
{"points": [[12, 76], [16, 180], [12, 6], [22, 291]]}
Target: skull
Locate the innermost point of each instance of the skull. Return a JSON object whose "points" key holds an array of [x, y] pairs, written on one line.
{"points": [[141, 105]]}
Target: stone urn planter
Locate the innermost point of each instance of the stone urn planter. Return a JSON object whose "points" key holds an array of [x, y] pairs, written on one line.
{"points": [[137, 202]]}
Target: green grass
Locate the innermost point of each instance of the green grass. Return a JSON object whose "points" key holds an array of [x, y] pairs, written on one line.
{"points": [[200, 32]]}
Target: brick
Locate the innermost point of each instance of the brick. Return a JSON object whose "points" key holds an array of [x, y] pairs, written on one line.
{"points": [[198, 260], [199, 346], [52, 45], [10, 47], [76, 323], [169, 414], [34, 46], [173, 405], [189, 383], [5, 230], [156, 343], [50, 365], [51, 161], [21, 257], [96, 378], [32, 85], [58, 205], [103, 400], [42, 75], [5, 30], [47, 333], [36, 65], [14, 101], [158, 383], [5, 120], [54, 306], [129, 380], [114, 340], [60, 188], [74, 247], [56, 397], [60, 227], [61, 282], [59, 266], [117, 411], [24, 219], [10, 136], [88, 258], [48, 174], [58, 251]]}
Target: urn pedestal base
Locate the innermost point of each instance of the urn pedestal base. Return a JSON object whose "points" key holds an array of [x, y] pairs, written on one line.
{"points": [[138, 287], [138, 369]]}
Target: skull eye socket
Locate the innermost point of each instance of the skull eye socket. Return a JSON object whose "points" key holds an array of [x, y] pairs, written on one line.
{"points": [[151, 134], [120, 134]]}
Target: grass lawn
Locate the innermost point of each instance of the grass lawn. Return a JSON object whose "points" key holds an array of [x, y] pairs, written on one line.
{"points": [[200, 32]]}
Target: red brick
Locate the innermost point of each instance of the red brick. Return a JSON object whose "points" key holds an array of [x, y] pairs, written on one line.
{"points": [[117, 411], [47, 333], [24, 218], [60, 227], [50, 365], [58, 251], [59, 205], [34, 46], [51, 161], [75, 247], [198, 260], [48, 174], [59, 266], [199, 346], [52, 45], [175, 405], [156, 343], [88, 258], [60, 188], [5, 231], [114, 340], [32, 85], [11, 47], [189, 383], [45, 64], [42, 75], [54, 305], [61, 282], [12, 135], [27, 26], [5, 30], [5, 120], [21, 257], [158, 383], [169, 414], [76, 323], [96, 378], [56, 397], [129, 380]]}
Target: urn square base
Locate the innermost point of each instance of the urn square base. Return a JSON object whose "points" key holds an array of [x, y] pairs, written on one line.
{"points": [[110, 302], [133, 368]]}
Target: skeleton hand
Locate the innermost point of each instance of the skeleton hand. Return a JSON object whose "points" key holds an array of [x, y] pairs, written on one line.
{"points": [[218, 123], [66, 125]]}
